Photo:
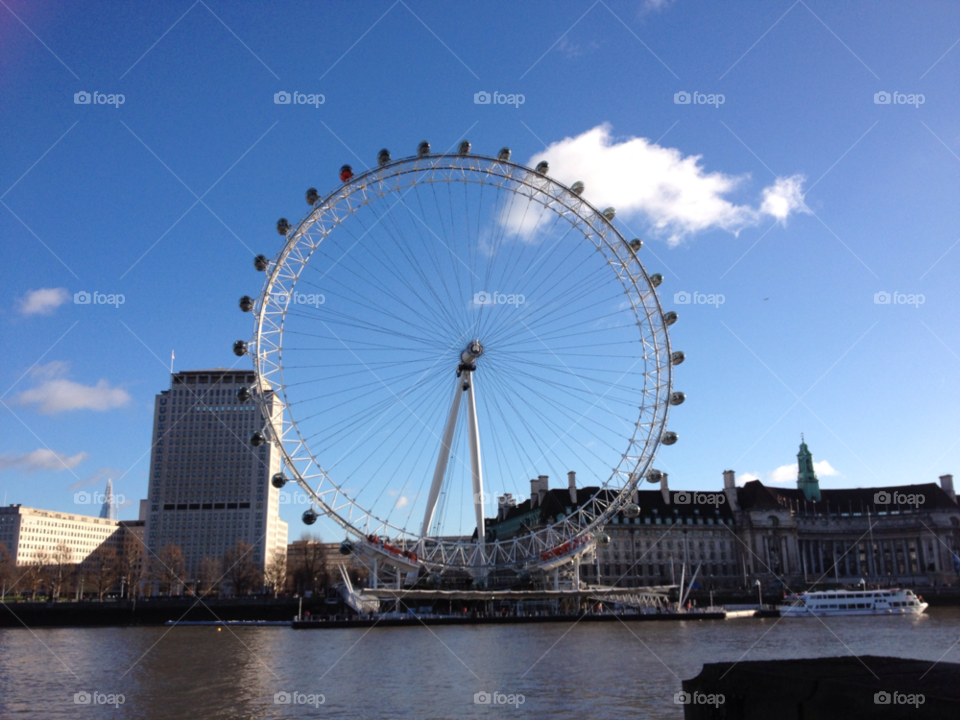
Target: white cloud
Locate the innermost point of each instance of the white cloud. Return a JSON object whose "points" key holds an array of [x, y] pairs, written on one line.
{"points": [[670, 191], [55, 393], [787, 473], [97, 479], [402, 501], [785, 196], [43, 301], [41, 459]]}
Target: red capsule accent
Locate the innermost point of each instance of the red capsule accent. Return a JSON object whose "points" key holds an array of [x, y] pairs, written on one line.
{"points": [[346, 172]]}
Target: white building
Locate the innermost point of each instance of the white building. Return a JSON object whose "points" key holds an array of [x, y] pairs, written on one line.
{"points": [[29, 533], [209, 487]]}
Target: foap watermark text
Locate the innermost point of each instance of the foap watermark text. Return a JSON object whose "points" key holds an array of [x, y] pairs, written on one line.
{"points": [[298, 98], [699, 298], [497, 698], [698, 98], [98, 98], [96, 498], [98, 298], [98, 698], [498, 298], [696, 498], [898, 298], [897, 698], [698, 698], [898, 98], [498, 98], [298, 698], [898, 498], [295, 298]]}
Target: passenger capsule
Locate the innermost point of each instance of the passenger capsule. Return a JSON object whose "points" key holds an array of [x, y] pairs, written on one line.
{"points": [[346, 172], [278, 480], [283, 227], [636, 244], [383, 157], [543, 167], [631, 510], [677, 357], [464, 148], [603, 539], [346, 548], [312, 196], [257, 439], [577, 188], [670, 318], [246, 303], [433, 579], [504, 154], [240, 348], [423, 149], [244, 394], [654, 476], [261, 262], [677, 398], [669, 438], [656, 279], [610, 213], [309, 516]]}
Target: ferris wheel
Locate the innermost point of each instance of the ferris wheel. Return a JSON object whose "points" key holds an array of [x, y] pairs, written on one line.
{"points": [[441, 329]]}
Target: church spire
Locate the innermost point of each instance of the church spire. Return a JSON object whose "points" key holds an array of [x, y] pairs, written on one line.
{"points": [[806, 475]]}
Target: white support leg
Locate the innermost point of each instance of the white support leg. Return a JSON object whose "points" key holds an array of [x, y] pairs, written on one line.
{"points": [[444, 456], [475, 464]]}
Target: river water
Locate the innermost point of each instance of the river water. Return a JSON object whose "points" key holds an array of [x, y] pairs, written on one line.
{"points": [[583, 670]]}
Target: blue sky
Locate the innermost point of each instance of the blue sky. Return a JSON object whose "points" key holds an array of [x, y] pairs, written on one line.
{"points": [[166, 198]]}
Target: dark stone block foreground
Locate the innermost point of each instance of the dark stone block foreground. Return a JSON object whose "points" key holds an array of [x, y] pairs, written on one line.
{"points": [[824, 688]]}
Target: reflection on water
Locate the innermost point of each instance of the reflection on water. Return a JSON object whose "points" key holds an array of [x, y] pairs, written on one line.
{"points": [[601, 670]]}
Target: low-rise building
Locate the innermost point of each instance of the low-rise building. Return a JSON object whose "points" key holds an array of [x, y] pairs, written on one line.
{"points": [[32, 535]]}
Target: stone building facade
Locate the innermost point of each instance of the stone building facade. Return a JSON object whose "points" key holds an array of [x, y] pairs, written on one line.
{"points": [[785, 538]]}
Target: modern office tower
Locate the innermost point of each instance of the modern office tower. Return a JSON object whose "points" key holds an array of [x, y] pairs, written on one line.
{"points": [[109, 508], [209, 487]]}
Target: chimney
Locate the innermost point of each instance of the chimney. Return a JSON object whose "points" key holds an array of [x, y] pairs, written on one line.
{"points": [[946, 482], [665, 489], [504, 502], [572, 486], [544, 486], [534, 492], [730, 489]]}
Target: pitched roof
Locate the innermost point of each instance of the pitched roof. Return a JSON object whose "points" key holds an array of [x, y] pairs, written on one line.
{"points": [[755, 495]]}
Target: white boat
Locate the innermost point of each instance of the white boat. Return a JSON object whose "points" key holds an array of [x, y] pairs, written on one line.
{"points": [[894, 601]]}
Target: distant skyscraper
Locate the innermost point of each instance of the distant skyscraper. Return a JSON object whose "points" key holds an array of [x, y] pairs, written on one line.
{"points": [[209, 487], [109, 509]]}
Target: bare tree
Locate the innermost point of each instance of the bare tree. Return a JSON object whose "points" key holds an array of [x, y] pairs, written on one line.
{"points": [[61, 560], [309, 568], [211, 572], [40, 570], [240, 569], [276, 574], [103, 568], [7, 569], [131, 564], [169, 568]]}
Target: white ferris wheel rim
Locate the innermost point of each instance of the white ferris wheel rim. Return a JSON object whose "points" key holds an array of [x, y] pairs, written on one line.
{"points": [[306, 469]]}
